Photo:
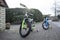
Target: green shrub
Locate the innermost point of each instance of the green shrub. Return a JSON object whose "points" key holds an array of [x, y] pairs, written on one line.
{"points": [[37, 15]]}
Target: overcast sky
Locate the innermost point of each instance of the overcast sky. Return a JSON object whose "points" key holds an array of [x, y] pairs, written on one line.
{"points": [[43, 5]]}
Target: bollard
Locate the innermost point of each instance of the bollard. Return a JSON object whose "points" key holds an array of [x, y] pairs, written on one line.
{"points": [[7, 25]]}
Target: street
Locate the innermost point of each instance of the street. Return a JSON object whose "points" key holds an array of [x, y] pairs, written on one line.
{"points": [[53, 33], [57, 23]]}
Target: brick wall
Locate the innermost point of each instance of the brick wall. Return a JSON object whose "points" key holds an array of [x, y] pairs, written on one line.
{"points": [[2, 17]]}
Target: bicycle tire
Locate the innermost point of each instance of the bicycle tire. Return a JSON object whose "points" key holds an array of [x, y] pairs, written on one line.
{"points": [[44, 27], [29, 25]]}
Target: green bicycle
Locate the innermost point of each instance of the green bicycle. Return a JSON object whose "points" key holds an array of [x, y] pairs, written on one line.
{"points": [[26, 26]]}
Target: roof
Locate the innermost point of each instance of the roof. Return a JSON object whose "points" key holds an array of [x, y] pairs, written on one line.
{"points": [[3, 3]]}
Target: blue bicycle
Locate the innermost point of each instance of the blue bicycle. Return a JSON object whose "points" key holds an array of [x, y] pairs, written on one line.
{"points": [[45, 24]]}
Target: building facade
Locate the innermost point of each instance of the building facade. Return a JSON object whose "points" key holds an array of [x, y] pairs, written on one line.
{"points": [[3, 6]]}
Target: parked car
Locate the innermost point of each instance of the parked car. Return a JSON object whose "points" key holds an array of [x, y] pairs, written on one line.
{"points": [[55, 19]]}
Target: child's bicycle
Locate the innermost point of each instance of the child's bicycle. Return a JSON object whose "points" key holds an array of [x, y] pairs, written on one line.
{"points": [[45, 24], [26, 26]]}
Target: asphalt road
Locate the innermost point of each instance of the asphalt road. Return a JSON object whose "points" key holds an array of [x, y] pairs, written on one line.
{"points": [[57, 23], [53, 33]]}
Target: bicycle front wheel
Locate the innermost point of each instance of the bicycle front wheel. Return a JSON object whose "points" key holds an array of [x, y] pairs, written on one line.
{"points": [[24, 32]]}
